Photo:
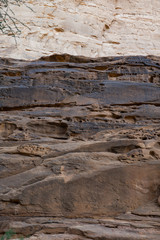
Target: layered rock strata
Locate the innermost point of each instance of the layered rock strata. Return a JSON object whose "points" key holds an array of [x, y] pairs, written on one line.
{"points": [[80, 147], [94, 28]]}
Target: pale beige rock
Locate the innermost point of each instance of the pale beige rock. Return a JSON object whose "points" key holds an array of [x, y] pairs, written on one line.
{"points": [[85, 27]]}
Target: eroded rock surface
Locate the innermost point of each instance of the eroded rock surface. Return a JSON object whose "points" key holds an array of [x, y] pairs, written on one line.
{"points": [[80, 147]]}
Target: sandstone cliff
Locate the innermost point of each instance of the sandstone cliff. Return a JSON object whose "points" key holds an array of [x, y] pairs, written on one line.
{"points": [[79, 128], [80, 148], [92, 28]]}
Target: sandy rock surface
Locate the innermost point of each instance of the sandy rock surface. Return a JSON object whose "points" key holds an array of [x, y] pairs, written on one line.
{"points": [[80, 148], [93, 28]]}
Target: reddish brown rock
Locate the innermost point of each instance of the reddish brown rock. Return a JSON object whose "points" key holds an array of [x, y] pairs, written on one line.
{"points": [[80, 138]]}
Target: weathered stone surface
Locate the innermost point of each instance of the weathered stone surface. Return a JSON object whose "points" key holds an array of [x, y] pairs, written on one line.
{"points": [[80, 147], [92, 28], [130, 228]]}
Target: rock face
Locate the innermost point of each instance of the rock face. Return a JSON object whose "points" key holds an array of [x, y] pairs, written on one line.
{"points": [[80, 147], [94, 28]]}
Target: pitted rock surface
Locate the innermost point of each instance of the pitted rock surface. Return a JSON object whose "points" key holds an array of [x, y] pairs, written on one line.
{"points": [[80, 147]]}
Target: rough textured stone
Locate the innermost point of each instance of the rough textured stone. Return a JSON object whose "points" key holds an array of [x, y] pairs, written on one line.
{"points": [[80, 147], [92, 28]]}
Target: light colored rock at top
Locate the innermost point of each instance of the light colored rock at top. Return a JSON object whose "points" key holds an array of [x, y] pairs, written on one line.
{"points": [[92, 28]]}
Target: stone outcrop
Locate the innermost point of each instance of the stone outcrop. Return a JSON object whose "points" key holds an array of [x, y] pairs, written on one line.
{"points": [[94, 28], [80, 147]]}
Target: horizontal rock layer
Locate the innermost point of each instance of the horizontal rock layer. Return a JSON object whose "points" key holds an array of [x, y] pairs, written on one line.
{"points": [[94, 28], [80, 147]]}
